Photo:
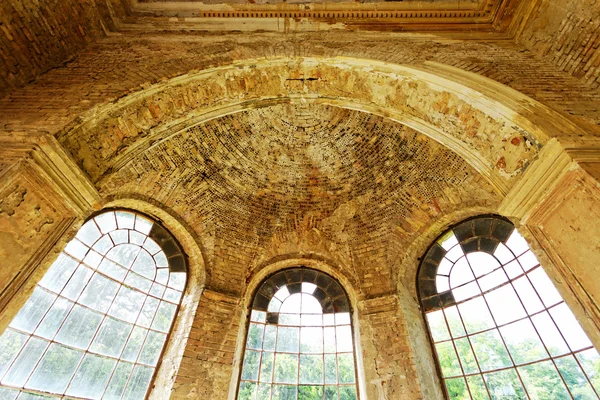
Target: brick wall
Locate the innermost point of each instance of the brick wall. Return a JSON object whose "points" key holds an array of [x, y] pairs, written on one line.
{"points": [[566, 33]]}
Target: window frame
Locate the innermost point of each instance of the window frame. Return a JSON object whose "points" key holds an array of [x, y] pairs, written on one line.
{"points": [[477, 234], [250, 308], [177, 262]]}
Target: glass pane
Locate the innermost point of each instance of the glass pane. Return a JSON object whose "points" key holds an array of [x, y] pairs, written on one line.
{"points": [[54, 318], [123, 254], [287, 339], [543, 382], [99, 293], [151, 246], [264, 391], [164, 316], [442, 283], [138, 384], [528, 296], [247, 391], [103, 244], [7, 394], [550, 335], [274, 305], [569, 327], [25, 363], [310, 392], [282, 392], [331, 393], [448, 360], [311, 369], [106, 221], [346, 368], [88, 233], [343, 335], [266, 367], [492, 280], [505, 305], [329, 340], [147, 315], [33, 311], [286, 368], [177, 280], [467, 358], [142, 224], [453, 318], [76, 249], [289, 319], [137, 281], [55, 370], [503, 254], [79, 328], [292, 304], [112, 269], [437, 326], [172, 295], [513, 269], [347, 393], [461, 273], [476, 315], [528, 260], [330, 368], [10, 343], [270, 336], [119, 236], [134, 344], [310, 305], [482, 263], [311, 340], [516, 243], [118, 381], [59, 273], [466, 292], [590, 361], [125, 220], [251, 364], [157, 290], [504, 385], [127, 304], [255, 336], [457, 389], [477, 387], [258, 316], [490, 351], [144, 265], [33, 396], [312, 319], [575, 378], [111, 337], [544, 287], [523, 342], [75, 286], [92, 377], [152, 348]]}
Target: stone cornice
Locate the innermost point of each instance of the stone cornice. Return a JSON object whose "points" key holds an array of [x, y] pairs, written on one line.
{"points": [[52, 164]]}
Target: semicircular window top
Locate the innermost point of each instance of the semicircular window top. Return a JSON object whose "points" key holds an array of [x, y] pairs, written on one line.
{"points": [[97, 322], [299, 342], [499, 327]]}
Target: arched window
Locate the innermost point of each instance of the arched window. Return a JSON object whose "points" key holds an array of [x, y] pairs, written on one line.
{"points": [[96, 324], [499, 328], [299, 343]]}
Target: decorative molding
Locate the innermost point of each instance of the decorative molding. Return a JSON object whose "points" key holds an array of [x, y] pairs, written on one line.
{"points": [[55, 165], [537, 181]]}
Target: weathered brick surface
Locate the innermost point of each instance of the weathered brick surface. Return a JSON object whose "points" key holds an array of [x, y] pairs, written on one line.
{"points": [[38, 35], [567, 34]]}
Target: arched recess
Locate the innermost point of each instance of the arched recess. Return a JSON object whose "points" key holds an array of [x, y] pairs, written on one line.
{"points": [[310, 264], [497, 130], [98, 321], [496, 321], [196, 281]]}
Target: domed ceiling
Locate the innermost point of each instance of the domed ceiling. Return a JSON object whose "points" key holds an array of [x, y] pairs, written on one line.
{"points": [[301, 178]]}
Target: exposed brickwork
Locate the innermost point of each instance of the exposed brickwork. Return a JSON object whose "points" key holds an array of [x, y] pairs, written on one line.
{"points": [[567, 34], [38, 35], [356, 177], [207, 363], [391, 370]]}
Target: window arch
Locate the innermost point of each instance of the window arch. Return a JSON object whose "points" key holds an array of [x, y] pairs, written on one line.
{"points": [[97, 322], [499, 327], [299, 341]]}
